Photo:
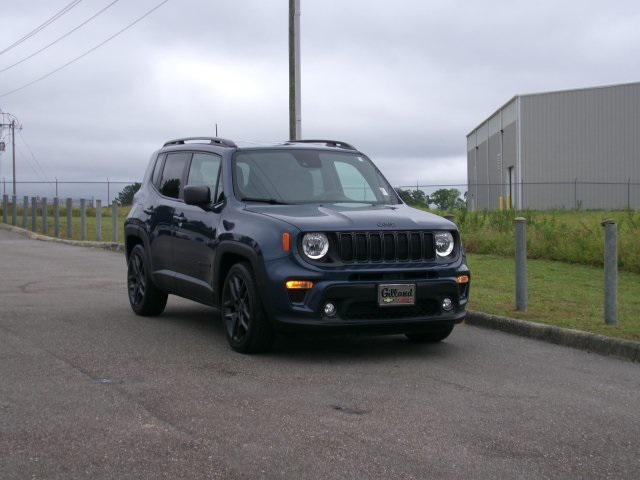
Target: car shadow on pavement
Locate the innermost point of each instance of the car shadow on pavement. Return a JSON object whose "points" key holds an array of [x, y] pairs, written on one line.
{"points": [[311, 347]]}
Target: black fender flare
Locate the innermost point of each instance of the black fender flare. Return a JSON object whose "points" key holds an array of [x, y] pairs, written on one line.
{"points": [[133, 230], [245, 251]]}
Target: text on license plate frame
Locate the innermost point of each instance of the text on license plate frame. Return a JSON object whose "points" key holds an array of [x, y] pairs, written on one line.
{"points": [[396, 294]]}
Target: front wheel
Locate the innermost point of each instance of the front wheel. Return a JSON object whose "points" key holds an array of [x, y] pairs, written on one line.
{"points": [[433, 336], [247, 326], [145, 298]]}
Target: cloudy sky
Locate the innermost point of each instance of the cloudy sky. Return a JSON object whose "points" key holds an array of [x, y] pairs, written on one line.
{"points": [[404, 81]]}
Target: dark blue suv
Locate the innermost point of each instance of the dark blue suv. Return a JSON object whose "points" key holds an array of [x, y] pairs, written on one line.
{"points": [[304, 235]]}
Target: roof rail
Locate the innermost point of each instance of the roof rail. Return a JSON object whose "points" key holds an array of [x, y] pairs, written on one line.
{"points": [[328, 143], [223, 142]]}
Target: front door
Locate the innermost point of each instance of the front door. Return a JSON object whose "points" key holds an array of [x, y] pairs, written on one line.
{"points": [[196, 233]]}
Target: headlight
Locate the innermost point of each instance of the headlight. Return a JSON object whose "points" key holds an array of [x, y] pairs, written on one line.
{"points": [[444, 243], [315, 245]]}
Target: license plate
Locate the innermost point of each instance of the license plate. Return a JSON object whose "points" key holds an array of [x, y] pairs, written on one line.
{"points": [[394, 294]]}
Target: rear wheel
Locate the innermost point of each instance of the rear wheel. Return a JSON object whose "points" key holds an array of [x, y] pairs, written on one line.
{"points": [[247, 326], [433, 336], [145, 298]]}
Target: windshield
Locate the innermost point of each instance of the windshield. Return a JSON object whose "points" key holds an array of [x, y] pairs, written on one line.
{"points": [[309, 176]]}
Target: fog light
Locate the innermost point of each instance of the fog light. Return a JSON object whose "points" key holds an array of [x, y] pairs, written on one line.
{"points": [[447, 305], [329, 309]]}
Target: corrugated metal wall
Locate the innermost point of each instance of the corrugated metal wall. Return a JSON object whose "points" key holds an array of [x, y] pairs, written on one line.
{"points": [[590, 135], [491, 151], [573, 145]]}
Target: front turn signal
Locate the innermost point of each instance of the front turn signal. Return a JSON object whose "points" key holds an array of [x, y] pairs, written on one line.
{"points": [[299, 285], [286, 241], [463, 279]]}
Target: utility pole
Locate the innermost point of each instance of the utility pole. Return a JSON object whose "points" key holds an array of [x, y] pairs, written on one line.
{"points": [[295, 118], [13, 125], [13, 153]]}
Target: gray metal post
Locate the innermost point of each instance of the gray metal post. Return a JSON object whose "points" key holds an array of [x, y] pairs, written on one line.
{"points": [[99, 220], [56, 217], [14, 210], [69, 218], [34, 213], [522, 299], [610, 272], [114, 221], [5, 207], [45, 222], [25, 211], [83, 219]]}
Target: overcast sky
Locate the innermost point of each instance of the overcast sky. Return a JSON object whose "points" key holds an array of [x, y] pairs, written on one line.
{"points": [[404, 81]]}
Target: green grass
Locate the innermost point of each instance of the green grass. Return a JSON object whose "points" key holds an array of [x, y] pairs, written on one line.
{"points": [[560, 294], [107, 230], [566, 235]]}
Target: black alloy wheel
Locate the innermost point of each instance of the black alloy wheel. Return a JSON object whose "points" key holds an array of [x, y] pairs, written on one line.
{"points": [[247, 326], [145, 298]]}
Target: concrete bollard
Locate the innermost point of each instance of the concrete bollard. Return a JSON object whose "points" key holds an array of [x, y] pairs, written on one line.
{"points": [[5, 208], [114, 221], [69, 218], [99, 220], [25, 211], [83, 219], [610, 272], [34, 212], [56, 217], [522, 300], [14, 210], [45, 221]]}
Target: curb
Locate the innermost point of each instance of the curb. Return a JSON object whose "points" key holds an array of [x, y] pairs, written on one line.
{"points": [[113, 246], [578, 339]]}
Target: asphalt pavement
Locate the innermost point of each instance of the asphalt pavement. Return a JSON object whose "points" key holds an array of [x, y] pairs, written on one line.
{"points": [[89, 390]]}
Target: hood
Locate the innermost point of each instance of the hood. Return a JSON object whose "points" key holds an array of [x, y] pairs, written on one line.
{"points": [[335, 217]]}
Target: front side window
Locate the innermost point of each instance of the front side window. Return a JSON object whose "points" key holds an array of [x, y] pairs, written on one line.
{"points": [[309, 176], [204, 170], [172, 174]]}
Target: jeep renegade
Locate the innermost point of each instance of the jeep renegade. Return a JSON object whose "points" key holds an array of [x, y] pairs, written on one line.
{"points": [[303, 235]]}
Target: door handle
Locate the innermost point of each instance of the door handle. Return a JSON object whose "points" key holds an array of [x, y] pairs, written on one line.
{"points": [[149, 210], [179, 218]]}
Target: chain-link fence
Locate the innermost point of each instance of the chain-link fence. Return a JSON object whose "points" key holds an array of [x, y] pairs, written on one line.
{"points": [[92, 190], [575, 194]]}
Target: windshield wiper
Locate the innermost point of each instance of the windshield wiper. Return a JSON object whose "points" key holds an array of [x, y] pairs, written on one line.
{"points": [[271, 201]]}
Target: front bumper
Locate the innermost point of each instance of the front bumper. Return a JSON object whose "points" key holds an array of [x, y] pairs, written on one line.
{"points": [[355, 293]]}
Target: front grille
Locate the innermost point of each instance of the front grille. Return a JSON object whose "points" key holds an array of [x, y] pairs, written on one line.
{"points": [[371, 311], [390, 247]]}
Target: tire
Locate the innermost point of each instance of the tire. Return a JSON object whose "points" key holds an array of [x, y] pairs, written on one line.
{"points": [[246, 324], [433, 336], [144, 297]]}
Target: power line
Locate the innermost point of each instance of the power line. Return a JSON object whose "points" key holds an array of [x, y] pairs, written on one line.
{"points": [[42, 26], [24, 141], [92, 49], [99, 12]]}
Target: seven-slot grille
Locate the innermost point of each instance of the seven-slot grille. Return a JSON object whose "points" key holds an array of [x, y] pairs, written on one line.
{"points": [[386, 246]]}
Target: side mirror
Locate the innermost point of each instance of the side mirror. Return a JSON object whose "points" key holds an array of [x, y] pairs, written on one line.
{"points": [[199, 195]]}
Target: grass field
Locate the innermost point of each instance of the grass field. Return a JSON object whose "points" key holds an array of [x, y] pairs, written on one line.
{"points": [[107, 229], [561, 294], [565, 235]]}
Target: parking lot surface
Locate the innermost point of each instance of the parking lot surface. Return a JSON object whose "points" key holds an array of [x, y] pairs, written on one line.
{"points": [[89, 390]]}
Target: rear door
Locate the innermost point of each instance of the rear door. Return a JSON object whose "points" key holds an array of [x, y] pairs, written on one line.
{"points": [[168, 185], [196, 233]]}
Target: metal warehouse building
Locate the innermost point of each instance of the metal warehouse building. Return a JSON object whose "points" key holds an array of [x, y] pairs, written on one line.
{"points": [[566, 149]]}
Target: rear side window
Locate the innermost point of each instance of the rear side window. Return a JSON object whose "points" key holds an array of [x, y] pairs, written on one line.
{"points": [[173, 173], [157, 170]]}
